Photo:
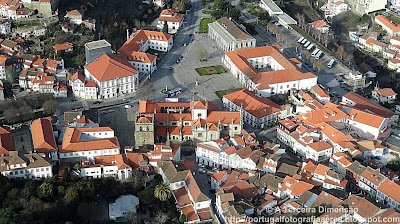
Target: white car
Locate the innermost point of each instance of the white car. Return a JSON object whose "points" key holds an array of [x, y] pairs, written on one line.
{"points": [[127, 106]]}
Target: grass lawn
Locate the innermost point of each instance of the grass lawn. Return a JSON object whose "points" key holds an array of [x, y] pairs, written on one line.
{"points": [[394, 19], [207, 11], [30, 24], [203, 28], [222, 93], [210, 70]]}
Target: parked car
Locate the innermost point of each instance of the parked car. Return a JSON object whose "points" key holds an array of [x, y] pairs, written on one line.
{"points": [[98, 102], [73, 100], [170, 68], [127, 106]]}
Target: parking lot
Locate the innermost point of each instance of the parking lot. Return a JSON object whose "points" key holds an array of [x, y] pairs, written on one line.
{"points": [[122, 121]]}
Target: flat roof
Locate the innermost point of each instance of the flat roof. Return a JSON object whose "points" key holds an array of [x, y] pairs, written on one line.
{"points": [[270, 4], [97, 44], [286, 19]]}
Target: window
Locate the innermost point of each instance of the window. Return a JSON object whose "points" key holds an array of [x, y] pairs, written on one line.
{"points": [[200, 135], [281, 87]]}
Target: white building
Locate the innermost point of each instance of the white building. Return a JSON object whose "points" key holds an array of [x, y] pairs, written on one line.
{"points": [[173, 19], [386, 95], [87, 143], [319, 151], [144, 40], [368, 6], [388, 193], [3, 60], [395, 4], [321, 26], [391, 28], [286, 73], [334, 7], [116, 166], [229, 35], [27, 166], [114, 76], [217, 179], [143, 62], [82, 88], [213, 153], [5, 27], [321, 94], [256, 111], [271, 7]]}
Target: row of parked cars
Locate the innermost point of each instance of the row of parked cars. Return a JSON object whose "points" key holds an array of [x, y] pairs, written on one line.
{"points": [[206, 169], [316, 53]]}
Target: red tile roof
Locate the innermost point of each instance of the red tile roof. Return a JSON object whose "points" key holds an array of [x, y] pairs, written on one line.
{"points": [[320, 146], [363, 103], [64, 46], [319, 23], [291, 71], [109, 67], [385, 92], [42, 135], [388, 23], [72, 140], [6, 141], [133, 44], [219, 175], [390, 189], [253, 104], [139, 56]]}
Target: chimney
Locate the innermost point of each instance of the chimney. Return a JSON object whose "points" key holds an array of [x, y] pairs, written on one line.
{"points": [[127, 34]]}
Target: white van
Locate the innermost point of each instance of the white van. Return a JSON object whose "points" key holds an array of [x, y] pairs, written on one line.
{"points": [[331, 63], [307, 44], [315, 52], [310, 47], [319, 55], [300, 40]]}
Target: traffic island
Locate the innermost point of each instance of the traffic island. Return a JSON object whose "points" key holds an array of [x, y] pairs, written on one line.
{"points": [[210, 70]]}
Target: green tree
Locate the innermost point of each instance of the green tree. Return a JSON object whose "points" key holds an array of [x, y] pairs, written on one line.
{"points": [[203, 3], [162, 191], [182, 218], [71, 195], [146, 196], [8, 216], [45, 191], [85, 189], [165, 27], [61, 191], [77, 166], [13, 194], [50, 106], [202, 54]]}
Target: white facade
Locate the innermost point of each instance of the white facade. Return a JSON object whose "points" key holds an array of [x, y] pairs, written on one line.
{"points": [[274, 88], [104, 171], [114, 87], [145, 67], [257, 122], [5, 28], [89, 154]]}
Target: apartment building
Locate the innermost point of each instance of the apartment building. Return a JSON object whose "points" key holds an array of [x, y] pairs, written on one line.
{"points": [[82, 88], [25, 166], [87, 143], [173, 19], [259, 112], [117, 166]]}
